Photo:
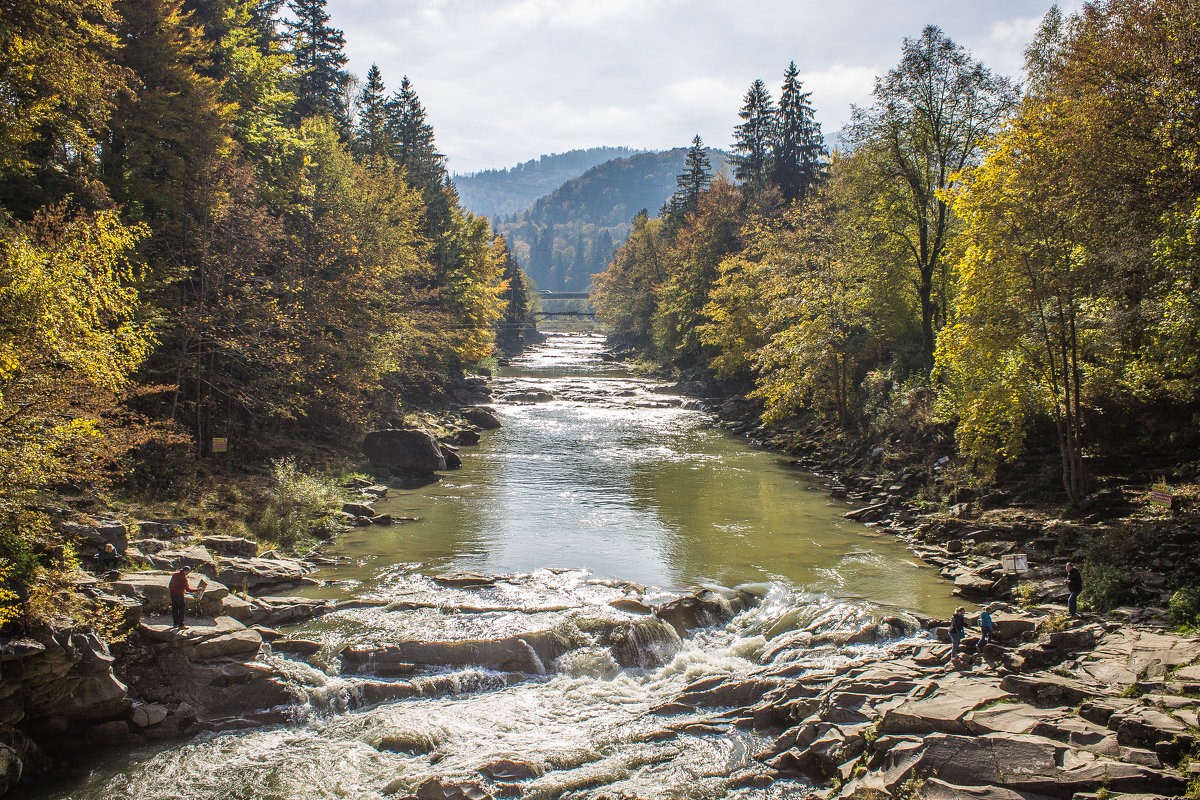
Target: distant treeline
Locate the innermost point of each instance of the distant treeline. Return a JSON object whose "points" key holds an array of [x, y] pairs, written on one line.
{"points": [[1011, 262], [208, 228]]}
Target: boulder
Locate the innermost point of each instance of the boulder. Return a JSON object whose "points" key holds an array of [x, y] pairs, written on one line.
{"points": [[94, 698], [196, 557], [98, 532], [466, 436], [231, 546], [451, 456], [285, 610], [483, 417], [161, 528], [359, 509], [465, 580], [631, 606], [296, 647], [405, 450], [442, 789], [506, 769], [972, 584], [252, 574], [143, 715]]}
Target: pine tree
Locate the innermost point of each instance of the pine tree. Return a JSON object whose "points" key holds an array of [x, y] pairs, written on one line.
{"points": [[317, 50], [370, 138], [799, 145], [753, 139]]}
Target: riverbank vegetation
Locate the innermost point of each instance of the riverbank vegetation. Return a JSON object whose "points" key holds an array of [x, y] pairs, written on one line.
{"points": [[1015, 265], [212, 235]]}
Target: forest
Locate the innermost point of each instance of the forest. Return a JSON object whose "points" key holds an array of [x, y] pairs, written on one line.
{"points": [[209, 228], [1013, 262]]}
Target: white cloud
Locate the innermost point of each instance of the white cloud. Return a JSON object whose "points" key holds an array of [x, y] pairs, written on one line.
{"points": [[506, 80]]}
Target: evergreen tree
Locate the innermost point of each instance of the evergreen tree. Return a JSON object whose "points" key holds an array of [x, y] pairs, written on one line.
{"points": [[799, 145], [753, 139], [691, 183], [370, 138], [317, 50], [412, 138]]}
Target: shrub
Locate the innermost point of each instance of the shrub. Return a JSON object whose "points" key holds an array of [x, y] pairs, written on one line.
{"points": [[296, 505], [1105, 586], [1184, 607]]}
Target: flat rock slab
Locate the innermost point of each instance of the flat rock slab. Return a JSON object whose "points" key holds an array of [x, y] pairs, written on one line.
{"points": [[153, 590], [1048, 689], [945, 710], [204, 638], [257, 573]]}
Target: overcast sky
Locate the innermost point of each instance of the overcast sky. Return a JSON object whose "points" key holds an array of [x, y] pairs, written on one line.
{"points": [[504, 81]]}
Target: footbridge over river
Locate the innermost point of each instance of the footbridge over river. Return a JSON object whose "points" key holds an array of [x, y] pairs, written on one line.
{"points": [[564, 313]]}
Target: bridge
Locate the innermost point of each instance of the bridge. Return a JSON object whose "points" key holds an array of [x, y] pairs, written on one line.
{"points": [[563, 296]]}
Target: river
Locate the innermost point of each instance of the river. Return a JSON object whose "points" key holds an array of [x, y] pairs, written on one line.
{"points": [[611, 490]]}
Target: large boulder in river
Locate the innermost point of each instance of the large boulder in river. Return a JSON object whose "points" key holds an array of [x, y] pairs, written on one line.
{"points": [[404, 449], [533, 652], [483, 417]]}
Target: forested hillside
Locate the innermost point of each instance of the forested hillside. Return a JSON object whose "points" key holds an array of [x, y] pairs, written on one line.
{"points": [[498, 193], [208, 228], [571, 233], [1018, 266]]}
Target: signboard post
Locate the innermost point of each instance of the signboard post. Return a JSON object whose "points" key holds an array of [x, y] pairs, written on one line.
{"points": [[1015, 563]]}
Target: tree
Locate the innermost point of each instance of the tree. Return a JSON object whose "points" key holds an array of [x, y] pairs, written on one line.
{"points": [[753, 138], [798, 144], [316, 48], [691, 184], [371, 134], [59, 80], [626, 294], [931, 116]]}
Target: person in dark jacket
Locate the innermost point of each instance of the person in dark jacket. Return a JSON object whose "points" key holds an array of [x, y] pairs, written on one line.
{"points": [[179, 588], [987, 628], [107, 559], [958, 627], [1074, 587]]}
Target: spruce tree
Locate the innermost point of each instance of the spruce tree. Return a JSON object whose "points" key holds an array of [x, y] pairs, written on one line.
{"points": [[691, 183], [371, 135], [755, 137], [799, 145], [412, 138], [317, 50]]}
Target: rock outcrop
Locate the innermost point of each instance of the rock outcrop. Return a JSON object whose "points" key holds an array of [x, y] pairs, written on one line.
{"points": [[404, 450]]}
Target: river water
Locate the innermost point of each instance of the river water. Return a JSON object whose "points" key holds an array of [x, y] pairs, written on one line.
{"points": [[611, 490]]}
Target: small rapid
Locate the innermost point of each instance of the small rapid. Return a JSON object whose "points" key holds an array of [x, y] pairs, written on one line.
{"points": [[631, 556]]}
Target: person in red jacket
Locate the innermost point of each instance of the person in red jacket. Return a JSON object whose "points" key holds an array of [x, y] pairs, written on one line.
{"points": [[179, 588]]}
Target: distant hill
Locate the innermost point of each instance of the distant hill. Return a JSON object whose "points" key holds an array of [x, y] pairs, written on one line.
{"points": [[499, 193], [571, 233]]}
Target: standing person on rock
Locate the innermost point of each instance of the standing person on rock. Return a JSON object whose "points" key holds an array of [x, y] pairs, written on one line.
{"points": [[1074, 587], [179, 588], [958, 627], [987, 628]]}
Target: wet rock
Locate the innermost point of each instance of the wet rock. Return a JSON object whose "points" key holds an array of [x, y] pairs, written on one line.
{"points": [[284, 610], [451, 456], [381, 661], [506, 769], [467, 437], [631, 605], [526, 652], [483, 417], [359, 509], [404, 450], [407, 742], [643, 643], [442, 789], [700, 610], [143, 715], [465, 580], [528, 397], [296, 647]]}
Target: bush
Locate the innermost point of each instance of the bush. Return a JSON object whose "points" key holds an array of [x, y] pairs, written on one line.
{"points": [[1184, 607], [1105, 586], [295, 506]]}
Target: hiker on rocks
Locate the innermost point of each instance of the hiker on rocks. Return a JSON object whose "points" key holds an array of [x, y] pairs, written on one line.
{"points": [[179, 588], [1074, 587], [107, 559], [987, 628], [958, 627]]}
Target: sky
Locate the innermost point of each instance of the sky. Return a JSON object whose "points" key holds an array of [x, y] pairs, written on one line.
{"points": [[504, 81]]}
